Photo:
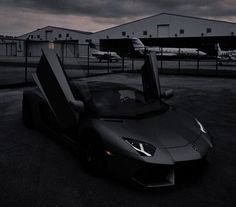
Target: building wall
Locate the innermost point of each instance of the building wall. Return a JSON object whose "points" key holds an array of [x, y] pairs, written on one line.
{"points": [[3, 49], [169, 26], [20, 48], [43, 37], [8, 47], [35, 48], [69, 49]]}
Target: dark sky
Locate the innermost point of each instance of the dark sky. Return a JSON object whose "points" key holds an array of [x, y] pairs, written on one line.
{"points": [[21, 16]]}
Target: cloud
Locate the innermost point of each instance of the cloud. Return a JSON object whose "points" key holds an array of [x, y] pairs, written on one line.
{"points": [[98, 8], [25, 20], [121, 8], [98, 14]]}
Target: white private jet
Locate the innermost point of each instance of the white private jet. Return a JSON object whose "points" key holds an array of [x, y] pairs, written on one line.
{"points": [[165, 51], [225, 55], [103, 55]]}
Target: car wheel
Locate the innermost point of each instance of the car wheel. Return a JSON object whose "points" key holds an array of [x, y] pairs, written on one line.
{"points": [[26, 114], [93, 155]]}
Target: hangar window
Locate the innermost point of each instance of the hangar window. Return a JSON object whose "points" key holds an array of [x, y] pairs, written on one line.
{"points": [[123, 33], [208, 30], [232, 33], [31, 36], [181, 31], [59, 35], [145, 32], [38, 36], [107, 37], [67, 34]]}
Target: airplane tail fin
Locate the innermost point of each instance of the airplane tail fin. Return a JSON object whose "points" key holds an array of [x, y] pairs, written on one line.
{"points": [[92, 46], [218, 49], [137, 44]]}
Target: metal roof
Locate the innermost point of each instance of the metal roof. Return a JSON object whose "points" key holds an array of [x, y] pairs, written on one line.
{"points": [[155, 15]]}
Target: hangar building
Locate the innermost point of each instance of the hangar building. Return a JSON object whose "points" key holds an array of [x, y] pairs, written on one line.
{"points": [[163, 29], [56, 37], [166, 25]]}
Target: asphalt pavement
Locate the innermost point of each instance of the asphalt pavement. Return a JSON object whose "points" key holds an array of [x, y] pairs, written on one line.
{"points": [[35, 170]]}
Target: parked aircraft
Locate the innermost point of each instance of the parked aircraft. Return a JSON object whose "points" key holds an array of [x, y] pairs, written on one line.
{"points": [[103, 55], [225, 55], [165, 51]]}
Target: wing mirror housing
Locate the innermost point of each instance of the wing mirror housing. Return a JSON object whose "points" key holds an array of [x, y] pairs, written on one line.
{"points": [[167, 94], [77, 105]]}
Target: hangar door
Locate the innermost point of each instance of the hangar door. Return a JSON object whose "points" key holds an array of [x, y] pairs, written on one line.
{"points": [[49, 35], [163, 30], [11, 49]]}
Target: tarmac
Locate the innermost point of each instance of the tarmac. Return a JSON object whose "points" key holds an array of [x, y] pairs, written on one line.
{"points": [[35, 170], [13, 70]]}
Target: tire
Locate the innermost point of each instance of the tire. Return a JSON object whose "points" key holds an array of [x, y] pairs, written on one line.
{"points": [[27, 114], [93, 155]]}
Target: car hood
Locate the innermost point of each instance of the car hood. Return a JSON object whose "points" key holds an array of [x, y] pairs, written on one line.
{"points": [[174, 128]]}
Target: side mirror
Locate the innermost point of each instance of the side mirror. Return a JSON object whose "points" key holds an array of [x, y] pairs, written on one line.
{"points": [[167, 94], [77, 105]]}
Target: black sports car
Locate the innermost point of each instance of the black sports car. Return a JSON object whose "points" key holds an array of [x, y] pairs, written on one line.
{"points": [[117, 128]]}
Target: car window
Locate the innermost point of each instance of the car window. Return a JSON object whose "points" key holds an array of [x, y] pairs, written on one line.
{"points": [[116, 100]]}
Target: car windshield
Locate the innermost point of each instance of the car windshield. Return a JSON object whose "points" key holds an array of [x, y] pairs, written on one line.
{"points": [[119, 101]]}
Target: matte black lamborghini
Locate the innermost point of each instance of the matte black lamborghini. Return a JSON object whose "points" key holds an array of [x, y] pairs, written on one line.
{"points": [[116, 128]]}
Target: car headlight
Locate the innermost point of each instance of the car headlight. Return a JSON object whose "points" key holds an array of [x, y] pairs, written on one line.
{"points": [[201, 127], [143, 148]]}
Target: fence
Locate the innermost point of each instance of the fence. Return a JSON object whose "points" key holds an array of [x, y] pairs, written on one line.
{"points": [[19, 58]]}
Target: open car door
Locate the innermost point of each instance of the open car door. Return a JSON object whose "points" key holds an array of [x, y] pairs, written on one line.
{"points": [[150, 77], [52, 81]]}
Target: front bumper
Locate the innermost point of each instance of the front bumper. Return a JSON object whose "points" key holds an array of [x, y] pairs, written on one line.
{"points": [[145, 174], [151, 174], [155, 176]]}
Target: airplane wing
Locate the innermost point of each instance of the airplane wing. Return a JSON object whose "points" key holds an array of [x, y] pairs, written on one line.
{"points": [[166, 54], [101, 55]]}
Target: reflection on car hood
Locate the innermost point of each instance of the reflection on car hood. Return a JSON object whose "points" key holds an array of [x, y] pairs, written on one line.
{"points": [[170, 129]]}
